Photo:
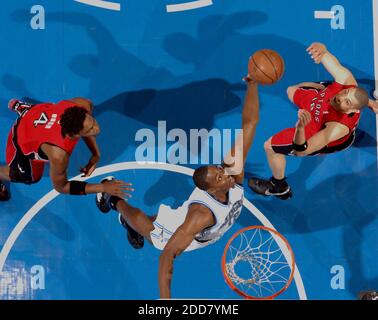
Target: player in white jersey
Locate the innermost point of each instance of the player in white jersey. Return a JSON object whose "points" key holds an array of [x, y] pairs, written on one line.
{"points": [[210, 211]]}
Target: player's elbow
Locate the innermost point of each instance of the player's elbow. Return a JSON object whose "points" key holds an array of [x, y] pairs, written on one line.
{"points": [[290, 92], [250, 122], [166, 265], [166, 257], [84, 102], [59, 189]]}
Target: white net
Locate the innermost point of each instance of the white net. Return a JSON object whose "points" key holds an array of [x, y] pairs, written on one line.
{"points": [[256, 265]]}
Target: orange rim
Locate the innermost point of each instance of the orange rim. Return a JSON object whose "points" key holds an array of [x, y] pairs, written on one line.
{"points": [[229, 281]]}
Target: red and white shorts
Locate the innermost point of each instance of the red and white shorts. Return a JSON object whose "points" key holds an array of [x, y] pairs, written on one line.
{"points": [[23, 169]]}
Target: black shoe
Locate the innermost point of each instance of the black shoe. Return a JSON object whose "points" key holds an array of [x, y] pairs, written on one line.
{"points": [[103, 198], [4, 193], [103, 202], [135, 239], [19, 106], [268, 188]]}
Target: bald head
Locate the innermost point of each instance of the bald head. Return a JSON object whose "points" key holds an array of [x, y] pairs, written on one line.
{"points": [[362, 97]]}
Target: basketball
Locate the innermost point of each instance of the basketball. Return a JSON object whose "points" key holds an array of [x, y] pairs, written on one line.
{"points": [[266, 66]]}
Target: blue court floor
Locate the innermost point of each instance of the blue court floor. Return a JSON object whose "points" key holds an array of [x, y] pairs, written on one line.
{"points": [[142, 64]]}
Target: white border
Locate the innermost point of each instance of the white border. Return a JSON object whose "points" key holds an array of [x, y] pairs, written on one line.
{"points": [[34, 210], [188, 5], [375, 39], [102, 4]]}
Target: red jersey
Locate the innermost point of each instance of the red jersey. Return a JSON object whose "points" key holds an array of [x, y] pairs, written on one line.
{"points": [[317, 102], [41, 125]]}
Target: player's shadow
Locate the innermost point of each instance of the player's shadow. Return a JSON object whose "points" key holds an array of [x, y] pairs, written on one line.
{"points": [[187, 106], [365, 140], [183, 106], [15, 84], [191, 105], [127, 95], [210, 48], [218, 36], [212, 33]]}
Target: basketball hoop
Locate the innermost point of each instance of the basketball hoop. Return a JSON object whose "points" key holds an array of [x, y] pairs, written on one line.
{"points": [[258, 263]]}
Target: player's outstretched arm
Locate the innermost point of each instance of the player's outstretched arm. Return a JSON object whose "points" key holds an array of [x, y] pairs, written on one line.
{"points": [[197, 219], [250, 115], [237, 157], [59, 160], [319, 53]]}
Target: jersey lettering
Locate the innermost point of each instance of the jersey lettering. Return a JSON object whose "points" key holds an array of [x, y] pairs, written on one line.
{"points": [[43, 119]]}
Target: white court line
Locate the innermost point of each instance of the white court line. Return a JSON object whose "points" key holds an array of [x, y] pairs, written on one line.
{"points": [[324, 14], [189, 5], [375, 37], [34, 210], [102, 4]]}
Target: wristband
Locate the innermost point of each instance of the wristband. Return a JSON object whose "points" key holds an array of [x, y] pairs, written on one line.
{"points": [[77, 187], [300, 147]]}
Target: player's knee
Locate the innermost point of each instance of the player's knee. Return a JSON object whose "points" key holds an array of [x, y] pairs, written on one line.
{"points": [[142, 220], [290, 92], [268, 145]]}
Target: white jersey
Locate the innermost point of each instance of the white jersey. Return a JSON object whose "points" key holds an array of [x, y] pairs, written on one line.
{"points": [[168, 219]]}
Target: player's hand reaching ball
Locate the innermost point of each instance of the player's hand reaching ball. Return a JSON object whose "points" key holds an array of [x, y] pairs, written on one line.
{"points": [[317, 50], [304, 118]]}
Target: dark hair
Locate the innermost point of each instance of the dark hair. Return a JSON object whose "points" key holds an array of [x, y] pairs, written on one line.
{"points": [[199, 178], [362, 97], [72, 121]]}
